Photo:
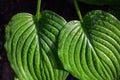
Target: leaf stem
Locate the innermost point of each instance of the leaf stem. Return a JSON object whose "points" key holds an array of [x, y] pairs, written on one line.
{"points": [[78, 10], [38, 10]]}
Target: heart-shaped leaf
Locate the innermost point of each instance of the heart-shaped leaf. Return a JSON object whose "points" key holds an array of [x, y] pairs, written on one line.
{"points": [[101, 2], [32, 46], [91, 50]]}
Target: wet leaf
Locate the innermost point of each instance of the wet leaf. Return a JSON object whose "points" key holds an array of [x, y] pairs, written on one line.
{"points": [[32, 46], [91, 50]]}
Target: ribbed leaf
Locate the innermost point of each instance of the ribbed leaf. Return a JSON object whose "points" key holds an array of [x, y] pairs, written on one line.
{"points": [[101, 2], [91, 51], [32, 46]]}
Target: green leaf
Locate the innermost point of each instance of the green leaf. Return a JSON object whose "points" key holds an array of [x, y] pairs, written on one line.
{"points": [[101, 2], [32, 46], [91, 50]]}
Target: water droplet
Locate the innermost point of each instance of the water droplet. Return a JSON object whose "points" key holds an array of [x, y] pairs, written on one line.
{"points": [[21, 42], [50, 16], [97, 28], [46, 14], [100, 22], [106, 18], [49, 21]]}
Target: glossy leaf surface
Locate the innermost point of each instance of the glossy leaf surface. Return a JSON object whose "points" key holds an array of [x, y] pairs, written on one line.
{"points": [[91, 50], [32, 46]]}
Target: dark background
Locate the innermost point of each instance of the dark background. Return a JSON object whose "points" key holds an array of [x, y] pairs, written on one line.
{"points": [[8, 8]]}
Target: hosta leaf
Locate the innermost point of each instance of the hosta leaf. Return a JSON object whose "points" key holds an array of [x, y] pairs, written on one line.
{"points": [[91, 50], [101, 2], [32, 46]]}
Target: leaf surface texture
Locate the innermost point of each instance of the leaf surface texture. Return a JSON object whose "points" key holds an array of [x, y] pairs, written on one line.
{"points": [[91, 50], [32, 46]]}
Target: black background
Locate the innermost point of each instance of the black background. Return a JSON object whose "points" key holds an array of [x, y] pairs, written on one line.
{"points": [[8, 8]]}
